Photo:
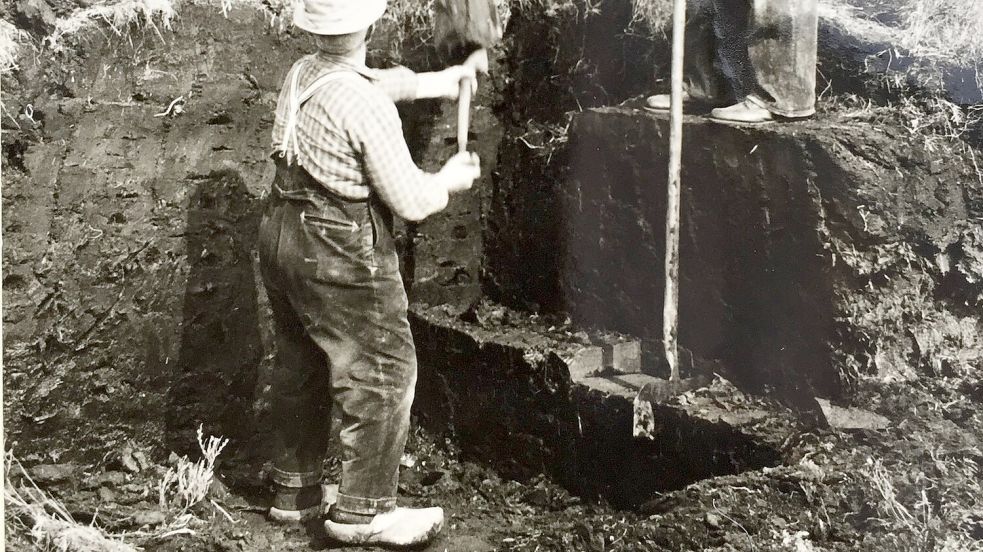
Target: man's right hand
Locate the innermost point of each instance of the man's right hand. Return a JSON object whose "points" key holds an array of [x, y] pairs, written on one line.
{"points": [[460, 171]]}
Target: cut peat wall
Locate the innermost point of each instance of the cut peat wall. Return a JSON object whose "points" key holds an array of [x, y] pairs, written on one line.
{"points": [[132, 302], [756, 285], [782, 227]]}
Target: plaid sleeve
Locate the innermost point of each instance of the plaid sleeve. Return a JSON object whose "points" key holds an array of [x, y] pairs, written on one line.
{"points": [[399, 83], [377, 131]]}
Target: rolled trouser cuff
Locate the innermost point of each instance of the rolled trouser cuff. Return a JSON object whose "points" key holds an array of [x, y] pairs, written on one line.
{"points": [[296, 480], [780, 111], [364, 506]]}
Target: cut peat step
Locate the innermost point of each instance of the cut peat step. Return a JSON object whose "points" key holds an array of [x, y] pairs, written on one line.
{"points": [[513, 392]]}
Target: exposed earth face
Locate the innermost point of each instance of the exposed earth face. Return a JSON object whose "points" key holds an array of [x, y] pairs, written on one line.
{"points": [[134, 168]]}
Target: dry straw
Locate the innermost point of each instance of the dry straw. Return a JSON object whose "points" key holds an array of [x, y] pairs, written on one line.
{"points": [[653, 14], [948, 30], [118, 16], [33, 512], [11, 41]]}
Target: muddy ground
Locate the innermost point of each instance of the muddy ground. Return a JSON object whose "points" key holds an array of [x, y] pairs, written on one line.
{"points": [[133, 310]]}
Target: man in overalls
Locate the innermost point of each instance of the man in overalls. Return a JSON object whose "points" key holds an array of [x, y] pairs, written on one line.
{"points": [[329, 264], [754, 60]]}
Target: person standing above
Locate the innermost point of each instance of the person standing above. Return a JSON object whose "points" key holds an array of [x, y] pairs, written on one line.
{"points": [[329, 265], [753, 61]]}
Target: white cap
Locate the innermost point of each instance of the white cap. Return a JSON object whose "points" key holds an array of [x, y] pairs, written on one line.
{"points": [[337, 17]]}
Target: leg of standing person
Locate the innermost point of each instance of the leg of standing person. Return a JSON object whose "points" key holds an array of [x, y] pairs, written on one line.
{"points": [[781, 47], [731, 28], [703, 80], [338, 278], [365, 331], [370, 343], [341, 278], [299, 391]]}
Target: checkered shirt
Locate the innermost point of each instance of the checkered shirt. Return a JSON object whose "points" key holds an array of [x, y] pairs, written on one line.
{"points": [[350, 139]]}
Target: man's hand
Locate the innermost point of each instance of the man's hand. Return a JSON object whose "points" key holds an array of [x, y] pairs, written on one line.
{"points": [[450, 80], [460, 172], [447, 83], [478, 61]]}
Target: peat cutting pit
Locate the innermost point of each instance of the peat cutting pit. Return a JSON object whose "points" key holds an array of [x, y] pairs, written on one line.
{"points": [[529, 398], [133, 309]]}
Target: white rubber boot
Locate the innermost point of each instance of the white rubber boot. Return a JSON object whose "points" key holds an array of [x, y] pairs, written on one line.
{"points": [[399, 528]]}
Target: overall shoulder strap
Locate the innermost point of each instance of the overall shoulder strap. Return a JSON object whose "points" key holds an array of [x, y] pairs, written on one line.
{"points": [[319, 82], [289, 147]]}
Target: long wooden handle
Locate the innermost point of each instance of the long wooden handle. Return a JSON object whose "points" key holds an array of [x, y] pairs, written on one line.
{"points": [[670, 304], [463, 115]]}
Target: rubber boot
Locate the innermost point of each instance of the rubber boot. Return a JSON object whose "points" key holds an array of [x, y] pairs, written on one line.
{"points": [[402, 527]]}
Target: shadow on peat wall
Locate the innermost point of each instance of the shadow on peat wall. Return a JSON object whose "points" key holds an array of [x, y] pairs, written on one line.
{"points": [[220, 350]]}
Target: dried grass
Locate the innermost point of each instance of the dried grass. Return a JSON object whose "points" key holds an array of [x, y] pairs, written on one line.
{"points": [[156, 14], [35, 514], [118, 16], [12, 40], [410, 23], [947, 30], [935, 519], [938, 120], [654, 15], [187, 484]]}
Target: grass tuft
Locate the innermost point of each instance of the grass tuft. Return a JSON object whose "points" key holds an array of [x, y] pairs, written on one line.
{"points": [[655, 15], [937, 517], [409, 25], [34, 514], [946, 30], [118, 16], [186, 485], [11, 41]]}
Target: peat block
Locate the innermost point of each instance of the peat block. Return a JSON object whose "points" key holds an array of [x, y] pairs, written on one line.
{"points": [[776, 223], [505, 394]]}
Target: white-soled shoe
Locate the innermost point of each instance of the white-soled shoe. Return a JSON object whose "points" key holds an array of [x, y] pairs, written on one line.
{"points": [[329, 495], [744, 113], [662, 102], [399, 528]]}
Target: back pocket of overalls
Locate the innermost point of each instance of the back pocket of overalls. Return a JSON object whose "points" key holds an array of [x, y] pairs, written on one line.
{"points": [[342, 245], [319, 221]]}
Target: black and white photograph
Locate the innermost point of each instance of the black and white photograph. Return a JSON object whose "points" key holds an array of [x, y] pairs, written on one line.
{"points": [[492, 275]]}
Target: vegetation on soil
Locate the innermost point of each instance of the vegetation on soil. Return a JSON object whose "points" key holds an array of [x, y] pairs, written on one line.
{"points": [[34, 515], [913, 487], [943, 29]]}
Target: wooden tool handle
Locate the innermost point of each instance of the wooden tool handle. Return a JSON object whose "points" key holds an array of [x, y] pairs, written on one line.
{"points": [[670, 304], [463, 115]]}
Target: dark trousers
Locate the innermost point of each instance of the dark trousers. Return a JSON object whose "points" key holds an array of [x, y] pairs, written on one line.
{"points": [[762, 50], [342, 335]]}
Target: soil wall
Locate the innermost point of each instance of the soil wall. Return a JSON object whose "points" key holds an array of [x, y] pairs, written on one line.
{"points": [[497, 384], [132, 302], [765, 212], [131, 290], [791, 232], [133, 306]]}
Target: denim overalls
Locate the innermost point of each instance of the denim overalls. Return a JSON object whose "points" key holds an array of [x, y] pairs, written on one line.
{"points": [[331, 271]]}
